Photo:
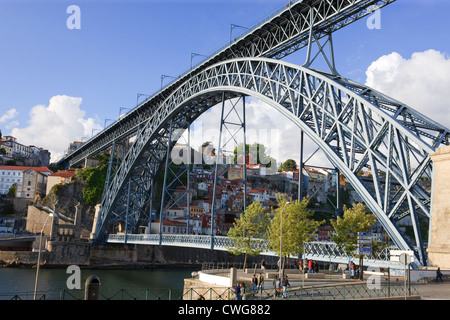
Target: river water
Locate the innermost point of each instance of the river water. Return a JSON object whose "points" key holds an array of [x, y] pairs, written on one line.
{"points": [[141, 284]]}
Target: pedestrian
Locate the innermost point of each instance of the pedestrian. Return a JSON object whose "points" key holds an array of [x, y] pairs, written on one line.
{"points": [[255, 283], [439, 275], [260, 282], [243, 291], [352, 270], [263, 265], [310, 266], [305, 265], [285, 285], [316, 267], [300, 266], [277, 287], [237, 291]]}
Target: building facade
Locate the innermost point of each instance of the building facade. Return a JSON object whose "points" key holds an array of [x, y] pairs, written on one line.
{"points": [[29, 181]]}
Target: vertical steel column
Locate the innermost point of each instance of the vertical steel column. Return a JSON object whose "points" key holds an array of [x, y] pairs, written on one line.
{"points": [[213, 210], [128, 210], [151, 206], [161, 212], [338, 194], [245, 154], [108, 172], [188, 189], [313, 38], [300, 170]]}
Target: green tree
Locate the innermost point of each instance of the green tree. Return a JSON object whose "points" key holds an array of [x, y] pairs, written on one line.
{"points": [[355, 220], [288, 165], [12, 191], [248, 230], [293, 224], [208, 148], [255, 152], [8, 209], [95, 181]]}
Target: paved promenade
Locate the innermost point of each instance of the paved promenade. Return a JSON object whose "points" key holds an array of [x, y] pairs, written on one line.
{"points": [[434, 291], [426, 291]]}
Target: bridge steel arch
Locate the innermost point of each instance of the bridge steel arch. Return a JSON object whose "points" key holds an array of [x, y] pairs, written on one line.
{"points": [[355, 126]]}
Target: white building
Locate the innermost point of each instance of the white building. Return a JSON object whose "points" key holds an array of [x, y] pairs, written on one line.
{"points": [[169, 227], [17, 148], [29, 181]]}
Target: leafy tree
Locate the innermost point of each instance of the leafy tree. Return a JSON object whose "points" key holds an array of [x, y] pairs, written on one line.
{"points": [[248, 230], [95, 181], [208, 148], [296, 228], [12, 191], [8, 209], [256, 152], [355, 220], [288, 165]]}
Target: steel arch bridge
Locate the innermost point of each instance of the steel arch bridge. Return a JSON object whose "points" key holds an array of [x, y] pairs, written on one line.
{"points": [[355, 126]]}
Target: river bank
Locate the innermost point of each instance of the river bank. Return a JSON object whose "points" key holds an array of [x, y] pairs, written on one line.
{"points": [[120, 256]]}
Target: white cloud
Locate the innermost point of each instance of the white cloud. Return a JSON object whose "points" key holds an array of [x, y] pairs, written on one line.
{"points": [[8, 115], [54, 126], [421, 82]]}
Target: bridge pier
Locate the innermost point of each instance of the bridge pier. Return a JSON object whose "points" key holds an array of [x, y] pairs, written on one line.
{"points": [[439, 248]]}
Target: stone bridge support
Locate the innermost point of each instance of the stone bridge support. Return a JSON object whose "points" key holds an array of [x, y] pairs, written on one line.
{"points": [[439, 244]]}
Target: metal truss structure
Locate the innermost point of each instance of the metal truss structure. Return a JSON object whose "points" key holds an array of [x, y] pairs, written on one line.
{"points": [[355, 126], [285, 31]]}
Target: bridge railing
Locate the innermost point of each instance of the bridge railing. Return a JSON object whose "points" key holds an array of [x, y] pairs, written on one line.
{"points": [[314, 250]]}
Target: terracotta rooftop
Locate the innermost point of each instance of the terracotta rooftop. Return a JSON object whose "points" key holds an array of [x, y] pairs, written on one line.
{"points": [[19, 168]]}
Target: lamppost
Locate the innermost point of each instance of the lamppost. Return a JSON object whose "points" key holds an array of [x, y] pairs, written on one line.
{"points": [[39, 257], [193, 54], [281, 234], [163, 77]]}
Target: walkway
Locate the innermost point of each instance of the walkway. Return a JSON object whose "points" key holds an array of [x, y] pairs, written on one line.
{"points": [[426, 291]]}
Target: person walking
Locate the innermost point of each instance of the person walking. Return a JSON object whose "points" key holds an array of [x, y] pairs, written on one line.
{"points": [[315, 266], [243, 291], [263, 265], [310, 266], [439, 275], [352, 270], [305, 266], [237, 291], [277, 287], [255, 283], [260, 282], [285, 285]]}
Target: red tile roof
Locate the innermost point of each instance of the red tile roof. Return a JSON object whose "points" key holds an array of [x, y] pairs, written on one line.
{"points": [[19, 168], [64, 173]]}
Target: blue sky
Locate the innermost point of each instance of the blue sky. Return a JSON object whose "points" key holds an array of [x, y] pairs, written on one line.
{"points": [[123, 48]]}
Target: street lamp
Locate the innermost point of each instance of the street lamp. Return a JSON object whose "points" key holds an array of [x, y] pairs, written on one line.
{"points": [[281, 234], [39, 256], [193, 54], [163, 77], [233, 26]]}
